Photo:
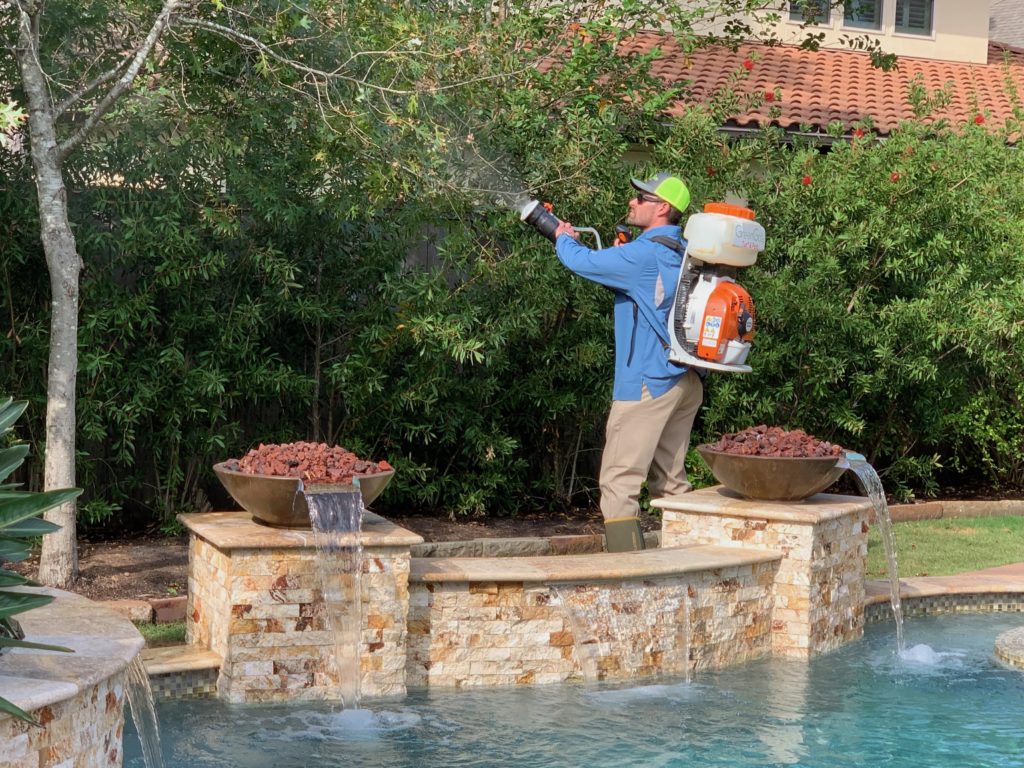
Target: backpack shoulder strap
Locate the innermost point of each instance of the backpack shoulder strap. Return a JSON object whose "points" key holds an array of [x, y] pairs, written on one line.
{"points": [[660, 332], [670, 242]]}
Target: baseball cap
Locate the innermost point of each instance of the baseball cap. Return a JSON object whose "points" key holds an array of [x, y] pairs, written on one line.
{"points": [[669, 188]]}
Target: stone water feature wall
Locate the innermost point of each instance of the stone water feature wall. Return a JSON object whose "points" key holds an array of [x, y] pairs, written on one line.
{"points": [[819, 588], [255, 600], [507, 621], [77, 698], [734, 580]]}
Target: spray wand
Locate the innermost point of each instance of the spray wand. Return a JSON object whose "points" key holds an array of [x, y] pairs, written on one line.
{"points": [[539, 216]]}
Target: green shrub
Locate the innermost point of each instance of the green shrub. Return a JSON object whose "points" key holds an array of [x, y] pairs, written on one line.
{"points": [[352, 279], [888, 299]]}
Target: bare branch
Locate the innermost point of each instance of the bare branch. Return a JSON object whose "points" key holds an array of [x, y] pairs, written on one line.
{"points": [[89, 87], [322, 75], [125, 80]]}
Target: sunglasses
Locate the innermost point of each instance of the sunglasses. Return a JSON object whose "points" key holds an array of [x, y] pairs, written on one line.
{"points": [[642, 198]]}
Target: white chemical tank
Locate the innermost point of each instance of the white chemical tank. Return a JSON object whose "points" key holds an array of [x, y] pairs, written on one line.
{"points": [[724, 234]]}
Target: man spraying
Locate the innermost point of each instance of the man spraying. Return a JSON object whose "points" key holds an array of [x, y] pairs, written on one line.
{"points": [[654, 401]]}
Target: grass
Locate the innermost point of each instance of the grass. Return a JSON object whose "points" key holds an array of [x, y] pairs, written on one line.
{"points": [[948, 546], [165, 633]]}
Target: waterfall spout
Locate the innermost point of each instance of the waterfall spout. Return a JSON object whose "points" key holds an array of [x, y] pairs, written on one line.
{"points": [[336, 514]]}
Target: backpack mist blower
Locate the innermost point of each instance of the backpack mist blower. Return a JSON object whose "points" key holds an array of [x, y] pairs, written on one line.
{"points": [[711, 322]]}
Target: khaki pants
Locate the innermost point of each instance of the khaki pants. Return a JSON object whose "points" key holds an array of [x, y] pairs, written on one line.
{"points": [[648, 436]]}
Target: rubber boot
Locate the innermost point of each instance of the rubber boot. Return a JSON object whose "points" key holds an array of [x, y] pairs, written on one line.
{"points": [[623, 534]]}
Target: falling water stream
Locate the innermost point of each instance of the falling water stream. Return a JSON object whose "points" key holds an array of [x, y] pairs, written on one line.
{"points": [[871, 485], [140, 701], [584, 641], [336, 517]]}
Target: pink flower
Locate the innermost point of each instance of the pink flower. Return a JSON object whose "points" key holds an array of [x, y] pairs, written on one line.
{"points": [[805, 180], [748, 64]]}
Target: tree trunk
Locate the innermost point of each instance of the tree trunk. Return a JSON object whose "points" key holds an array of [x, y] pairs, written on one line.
{"points": [[58, 564]]}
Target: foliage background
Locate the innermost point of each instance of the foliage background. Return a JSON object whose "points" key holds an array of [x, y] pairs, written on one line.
{"points": [[258, 271]]}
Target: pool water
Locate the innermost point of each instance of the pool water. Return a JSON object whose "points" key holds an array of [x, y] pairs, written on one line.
{"points": [[945, 702]]}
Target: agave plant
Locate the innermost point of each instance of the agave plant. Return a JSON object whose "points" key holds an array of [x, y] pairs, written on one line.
{"points": [[19, 525]]}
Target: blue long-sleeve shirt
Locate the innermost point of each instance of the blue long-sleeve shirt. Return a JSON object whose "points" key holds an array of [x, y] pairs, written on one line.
{"points": [[643, 274]]}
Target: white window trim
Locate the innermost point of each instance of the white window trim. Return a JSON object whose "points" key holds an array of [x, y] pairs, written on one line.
{"points": [[914, 35]]}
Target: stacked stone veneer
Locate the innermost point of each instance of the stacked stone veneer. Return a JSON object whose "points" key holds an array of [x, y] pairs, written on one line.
{"points": [[77, 698], [733, 581], [819, 588], [85, 730], [483, 622], [255, 599]]}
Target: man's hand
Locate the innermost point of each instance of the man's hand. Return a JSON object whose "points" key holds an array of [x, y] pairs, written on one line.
{"points": [[565, 228]]}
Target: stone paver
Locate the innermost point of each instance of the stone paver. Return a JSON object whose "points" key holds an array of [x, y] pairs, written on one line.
{"points": [[1002, 579]]}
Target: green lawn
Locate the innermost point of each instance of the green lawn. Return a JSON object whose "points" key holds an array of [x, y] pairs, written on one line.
{"points": [[954, 545], [157, 635]]}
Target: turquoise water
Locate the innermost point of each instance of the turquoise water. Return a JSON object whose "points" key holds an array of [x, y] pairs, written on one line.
{"points": [[946, 702]]}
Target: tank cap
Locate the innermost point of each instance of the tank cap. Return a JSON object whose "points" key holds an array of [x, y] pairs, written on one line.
{"points": [[729, 210]]}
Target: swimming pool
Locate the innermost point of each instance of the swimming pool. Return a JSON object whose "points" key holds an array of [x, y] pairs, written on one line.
{"points": [[947, 702]]}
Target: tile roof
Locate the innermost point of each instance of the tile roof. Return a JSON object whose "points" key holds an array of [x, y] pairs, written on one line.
{"points": [[818, 87]]}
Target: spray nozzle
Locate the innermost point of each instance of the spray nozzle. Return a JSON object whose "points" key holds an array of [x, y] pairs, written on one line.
{"points": [[539, 216]]}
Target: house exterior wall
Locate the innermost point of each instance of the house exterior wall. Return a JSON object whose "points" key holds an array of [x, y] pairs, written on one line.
{"points": [[960, 31], [1006, 24]]}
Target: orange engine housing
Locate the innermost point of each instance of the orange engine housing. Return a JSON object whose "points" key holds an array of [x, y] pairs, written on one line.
{"points": [[728, 316]]}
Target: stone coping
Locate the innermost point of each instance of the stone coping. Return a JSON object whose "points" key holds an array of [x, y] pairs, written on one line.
{"points": [[523, 546], [1004, 579], [103, 642], [179, 658], [1010, 647], [602, 566], [236, 530], [719, 500]]}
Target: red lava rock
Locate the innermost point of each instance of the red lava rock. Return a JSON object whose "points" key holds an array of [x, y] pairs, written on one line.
{"points": [[775, 441], [313, 462]]}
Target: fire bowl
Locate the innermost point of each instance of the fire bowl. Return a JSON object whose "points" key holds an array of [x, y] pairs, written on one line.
{"points": [[773, 478], [276, 501]]}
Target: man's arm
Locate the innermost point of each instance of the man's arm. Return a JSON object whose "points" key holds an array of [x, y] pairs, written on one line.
{"points": [[612, 267]]}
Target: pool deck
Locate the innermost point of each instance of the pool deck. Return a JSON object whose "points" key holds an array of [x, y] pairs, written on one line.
{"points": [[1003, 579]]}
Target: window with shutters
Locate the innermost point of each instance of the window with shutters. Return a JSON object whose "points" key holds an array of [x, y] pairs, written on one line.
{"points": [[914, 17], [862, 14], [810, 11]]}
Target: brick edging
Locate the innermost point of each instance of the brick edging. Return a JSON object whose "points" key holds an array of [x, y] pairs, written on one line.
{"points": [[937, 510], [158, 610]]}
